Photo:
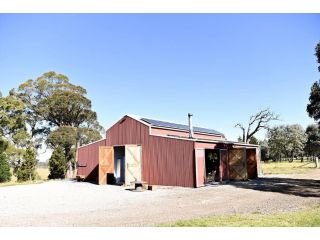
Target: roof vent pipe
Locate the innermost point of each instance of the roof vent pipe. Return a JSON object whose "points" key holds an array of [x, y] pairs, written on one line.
{"points": [[190, 125]]}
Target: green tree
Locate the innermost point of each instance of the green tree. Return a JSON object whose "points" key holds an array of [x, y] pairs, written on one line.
{"points": [[296, 139], [287, 141], [254, 140], [52, 102], [27, 170], [312, 147], [276, 142], [57, 164], [317, 54], [5, 174], [12, 119], [64, 137], [265, 150], [13, 128], [313, 108]]}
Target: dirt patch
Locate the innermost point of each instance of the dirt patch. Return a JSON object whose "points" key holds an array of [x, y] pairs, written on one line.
{"points": [[66, 203]]}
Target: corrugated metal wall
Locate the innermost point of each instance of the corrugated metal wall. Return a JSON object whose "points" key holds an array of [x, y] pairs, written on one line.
{"points": [[88, 160], [165, 161]]}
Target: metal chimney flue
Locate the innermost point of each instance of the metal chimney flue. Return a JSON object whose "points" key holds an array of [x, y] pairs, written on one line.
{"points": [[190, 125]]}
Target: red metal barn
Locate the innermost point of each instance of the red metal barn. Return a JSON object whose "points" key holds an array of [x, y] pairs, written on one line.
{"points": [[165, 153]]}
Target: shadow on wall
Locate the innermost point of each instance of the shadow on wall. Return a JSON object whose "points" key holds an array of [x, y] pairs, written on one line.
{"points": [[298, 187], [93, 175]]}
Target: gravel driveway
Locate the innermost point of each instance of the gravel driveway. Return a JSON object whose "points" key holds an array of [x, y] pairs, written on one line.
{"points": [[68, 203]]}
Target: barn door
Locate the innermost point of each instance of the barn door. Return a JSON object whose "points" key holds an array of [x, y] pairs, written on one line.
{"points": [[105, 163], [200, 168], [224, 166], [133, 164], [237, 164], [252, 163]]}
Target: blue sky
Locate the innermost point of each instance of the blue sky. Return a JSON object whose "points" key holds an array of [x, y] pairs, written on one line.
{"points": [[220, 67]]}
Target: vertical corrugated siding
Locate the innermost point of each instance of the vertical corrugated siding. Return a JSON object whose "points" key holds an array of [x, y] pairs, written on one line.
{"points": [[89, 156], [165, 161]]}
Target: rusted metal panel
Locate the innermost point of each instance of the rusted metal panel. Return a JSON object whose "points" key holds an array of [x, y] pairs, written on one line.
{"points": [[224, 165], [200, 167], [237, 164], [106, 163], [252, 163], [88, 160], [133, 164]]}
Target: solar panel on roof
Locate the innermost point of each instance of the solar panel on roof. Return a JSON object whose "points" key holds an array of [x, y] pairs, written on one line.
{"points": [[158, 123]]}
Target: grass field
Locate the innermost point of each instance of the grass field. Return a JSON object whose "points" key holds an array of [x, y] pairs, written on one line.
{"points": [[286, 167], [303, 218], [42, 175]]}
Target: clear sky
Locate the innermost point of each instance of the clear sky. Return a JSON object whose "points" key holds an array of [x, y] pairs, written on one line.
{"points": [[220, 67]]}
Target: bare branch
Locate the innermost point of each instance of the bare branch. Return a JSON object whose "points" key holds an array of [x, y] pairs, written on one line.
{"points": [[257, 121], [243, 131]]}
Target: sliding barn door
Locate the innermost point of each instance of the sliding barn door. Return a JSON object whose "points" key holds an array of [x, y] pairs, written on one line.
{"points": [[237, 164], [133, 164], [106, 164]]}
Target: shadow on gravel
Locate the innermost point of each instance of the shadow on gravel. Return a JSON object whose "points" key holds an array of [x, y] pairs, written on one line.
{"points": [[298, 187]]}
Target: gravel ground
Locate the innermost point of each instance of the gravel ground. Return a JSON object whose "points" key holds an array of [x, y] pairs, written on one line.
{"points": [[69, 203]]}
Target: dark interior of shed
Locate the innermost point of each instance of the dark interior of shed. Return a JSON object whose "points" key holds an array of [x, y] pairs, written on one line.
{"points": [[212, 163], [119, 165]]}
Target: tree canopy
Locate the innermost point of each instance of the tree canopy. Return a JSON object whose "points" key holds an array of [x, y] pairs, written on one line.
{"points": [[286, 140], [312, 147], [52, 101], [59, 112], [47, 110], [313, 108]]}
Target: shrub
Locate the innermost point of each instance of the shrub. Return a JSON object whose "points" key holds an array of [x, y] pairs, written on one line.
{"points": [[57, 164], [5, 174], [27, 170]]}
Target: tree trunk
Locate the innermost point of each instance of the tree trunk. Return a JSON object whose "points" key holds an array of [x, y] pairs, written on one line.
{"points": [[76, 159]]}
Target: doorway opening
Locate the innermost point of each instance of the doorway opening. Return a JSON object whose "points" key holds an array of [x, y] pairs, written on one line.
{"points": [[119, 165], [212, 164]]}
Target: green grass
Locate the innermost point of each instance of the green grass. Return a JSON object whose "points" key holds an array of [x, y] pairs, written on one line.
{"points": [[42, 176], [303, 218], [296, 167], [7, 184]]}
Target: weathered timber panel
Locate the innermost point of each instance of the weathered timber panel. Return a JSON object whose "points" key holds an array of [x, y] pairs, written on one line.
{"points": [[106, 163], [237, 164]]}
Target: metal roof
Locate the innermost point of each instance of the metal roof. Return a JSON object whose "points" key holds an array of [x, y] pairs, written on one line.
{"points": [[158, 123]]}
